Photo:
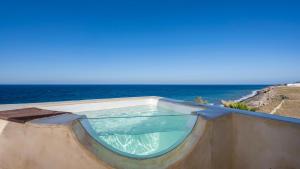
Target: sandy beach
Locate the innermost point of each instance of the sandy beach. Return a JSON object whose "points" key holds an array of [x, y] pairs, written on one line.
{"points": [[281, 100]]}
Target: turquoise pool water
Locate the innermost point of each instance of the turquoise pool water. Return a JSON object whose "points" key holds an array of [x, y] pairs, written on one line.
{"points": [[139, 131]]}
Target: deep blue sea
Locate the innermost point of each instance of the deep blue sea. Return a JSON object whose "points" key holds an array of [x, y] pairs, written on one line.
{"points": [[46, 93]]}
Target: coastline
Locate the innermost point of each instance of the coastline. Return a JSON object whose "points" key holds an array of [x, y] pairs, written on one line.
{"points": [[277, 99], [248, 96]]}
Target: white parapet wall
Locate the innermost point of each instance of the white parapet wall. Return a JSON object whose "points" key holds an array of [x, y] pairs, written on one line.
{"points": [[101, 104], [293, 84]]}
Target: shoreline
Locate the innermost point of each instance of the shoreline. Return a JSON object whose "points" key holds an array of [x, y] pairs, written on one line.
{"points": [[255, 93], [248, 96]]}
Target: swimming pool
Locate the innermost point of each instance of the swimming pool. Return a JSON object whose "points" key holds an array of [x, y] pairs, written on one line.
{"points": [[142, 131]]}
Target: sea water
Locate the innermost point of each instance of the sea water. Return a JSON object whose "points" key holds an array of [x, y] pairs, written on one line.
{"points": [[48, 93]]}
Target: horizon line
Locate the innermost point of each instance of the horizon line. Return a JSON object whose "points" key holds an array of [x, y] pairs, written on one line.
{"points": [[142, 83]]}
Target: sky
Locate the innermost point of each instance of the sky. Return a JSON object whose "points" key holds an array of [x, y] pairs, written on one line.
{"points": [[149, 42]]}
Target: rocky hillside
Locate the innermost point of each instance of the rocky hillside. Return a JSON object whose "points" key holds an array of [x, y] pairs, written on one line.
{"points": [[282, 100]]}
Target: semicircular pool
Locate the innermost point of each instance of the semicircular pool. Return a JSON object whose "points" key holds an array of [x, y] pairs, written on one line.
{"points": [[140, 131]]}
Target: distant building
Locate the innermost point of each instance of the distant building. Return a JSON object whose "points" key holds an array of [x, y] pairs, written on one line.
{"points": [[297, 84]]}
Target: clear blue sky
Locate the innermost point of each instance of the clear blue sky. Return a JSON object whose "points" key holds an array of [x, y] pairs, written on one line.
{"points": [[139, 41]]}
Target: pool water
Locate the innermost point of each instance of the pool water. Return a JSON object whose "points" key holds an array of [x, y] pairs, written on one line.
{"points": [[139, 131]]}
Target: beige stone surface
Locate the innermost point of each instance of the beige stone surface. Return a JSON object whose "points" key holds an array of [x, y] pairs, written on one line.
{"points": [[265, 143], [27, 146]]}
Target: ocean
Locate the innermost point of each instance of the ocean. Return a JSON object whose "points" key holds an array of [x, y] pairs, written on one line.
{"points": [[47, 93]]}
